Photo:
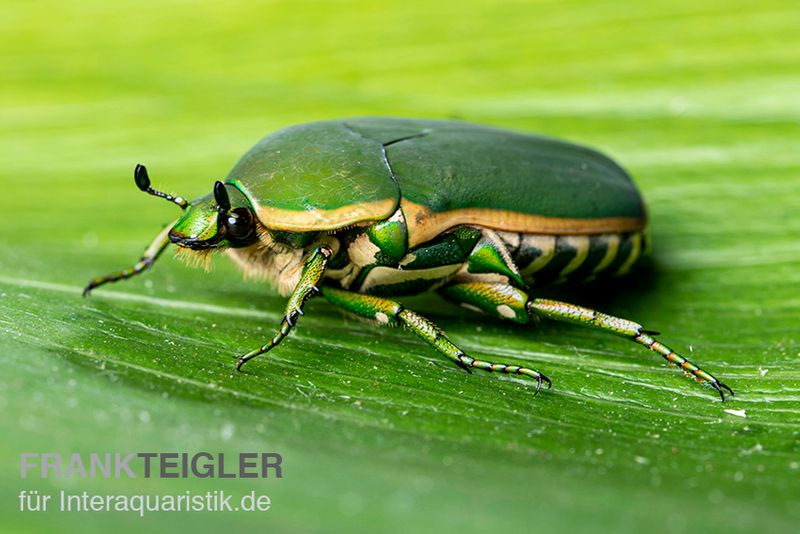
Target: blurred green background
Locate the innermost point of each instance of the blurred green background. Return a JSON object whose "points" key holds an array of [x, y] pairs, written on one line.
{"points": [[699, 99]]}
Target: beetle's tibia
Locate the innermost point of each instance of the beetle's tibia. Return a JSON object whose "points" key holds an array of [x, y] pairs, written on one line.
{"points": [[391, 313], [562, 311]]}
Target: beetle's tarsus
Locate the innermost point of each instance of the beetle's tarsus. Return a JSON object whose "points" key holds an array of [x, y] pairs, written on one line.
{"points": [[240, 361]]}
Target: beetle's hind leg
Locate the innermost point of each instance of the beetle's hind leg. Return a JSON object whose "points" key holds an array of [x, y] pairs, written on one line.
{"points": [[563, 311], [389, 312], [508, 302], [149, 257]]}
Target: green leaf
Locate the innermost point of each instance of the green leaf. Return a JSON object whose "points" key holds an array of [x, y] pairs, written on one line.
{"points": [[697, 99]]}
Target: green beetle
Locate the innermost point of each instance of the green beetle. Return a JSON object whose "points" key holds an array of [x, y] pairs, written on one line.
{"points": [[364, 210]]}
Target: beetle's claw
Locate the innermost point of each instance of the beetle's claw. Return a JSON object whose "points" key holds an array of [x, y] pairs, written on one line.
{"points": [[719, 386], [549, 382], [539, 379], [88, 289], [240, 361]]}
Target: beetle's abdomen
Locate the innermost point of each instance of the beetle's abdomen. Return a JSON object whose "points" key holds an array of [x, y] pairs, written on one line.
{"points": [[548, 259]]}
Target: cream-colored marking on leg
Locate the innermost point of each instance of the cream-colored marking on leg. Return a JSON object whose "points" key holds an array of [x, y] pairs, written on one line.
{"points": [[409, 258], [465, 276], [505, 311], [362, 251]]}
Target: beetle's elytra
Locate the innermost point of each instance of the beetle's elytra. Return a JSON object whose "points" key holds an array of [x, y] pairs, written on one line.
{"points": [[364, 210]]}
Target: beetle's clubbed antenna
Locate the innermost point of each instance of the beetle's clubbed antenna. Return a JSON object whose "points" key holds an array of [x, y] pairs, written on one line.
{"points": [[143, 183]]}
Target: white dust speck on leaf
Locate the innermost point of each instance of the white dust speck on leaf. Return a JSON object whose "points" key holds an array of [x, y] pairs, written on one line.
{"points": [[144, 416], [762, 372], [641, 460], [755, 448], [737, 413], [227, 431]]}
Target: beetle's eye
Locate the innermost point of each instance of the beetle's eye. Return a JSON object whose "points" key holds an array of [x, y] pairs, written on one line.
{"points": [[239, 222]]}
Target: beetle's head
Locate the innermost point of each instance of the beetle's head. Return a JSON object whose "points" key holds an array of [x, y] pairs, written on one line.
{"points": [[224, 218], [221, 219]]}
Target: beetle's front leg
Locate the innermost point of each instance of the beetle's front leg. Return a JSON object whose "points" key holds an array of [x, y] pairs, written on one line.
{"points": [[150, 255], [305, 289]]}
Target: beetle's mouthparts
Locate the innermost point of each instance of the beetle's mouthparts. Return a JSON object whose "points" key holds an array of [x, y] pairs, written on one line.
{"points": [[192, 243], [142, 180]]}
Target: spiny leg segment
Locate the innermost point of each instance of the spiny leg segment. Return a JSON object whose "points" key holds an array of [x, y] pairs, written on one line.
{"points": [[389, 312], [305, 289], [508, 302], [149, 257], [562, 311]]}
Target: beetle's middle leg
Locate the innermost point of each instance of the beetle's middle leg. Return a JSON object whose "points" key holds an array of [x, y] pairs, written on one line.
{"points": [[306, 288], [389, 312], [508, 302], [149, 257]]}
